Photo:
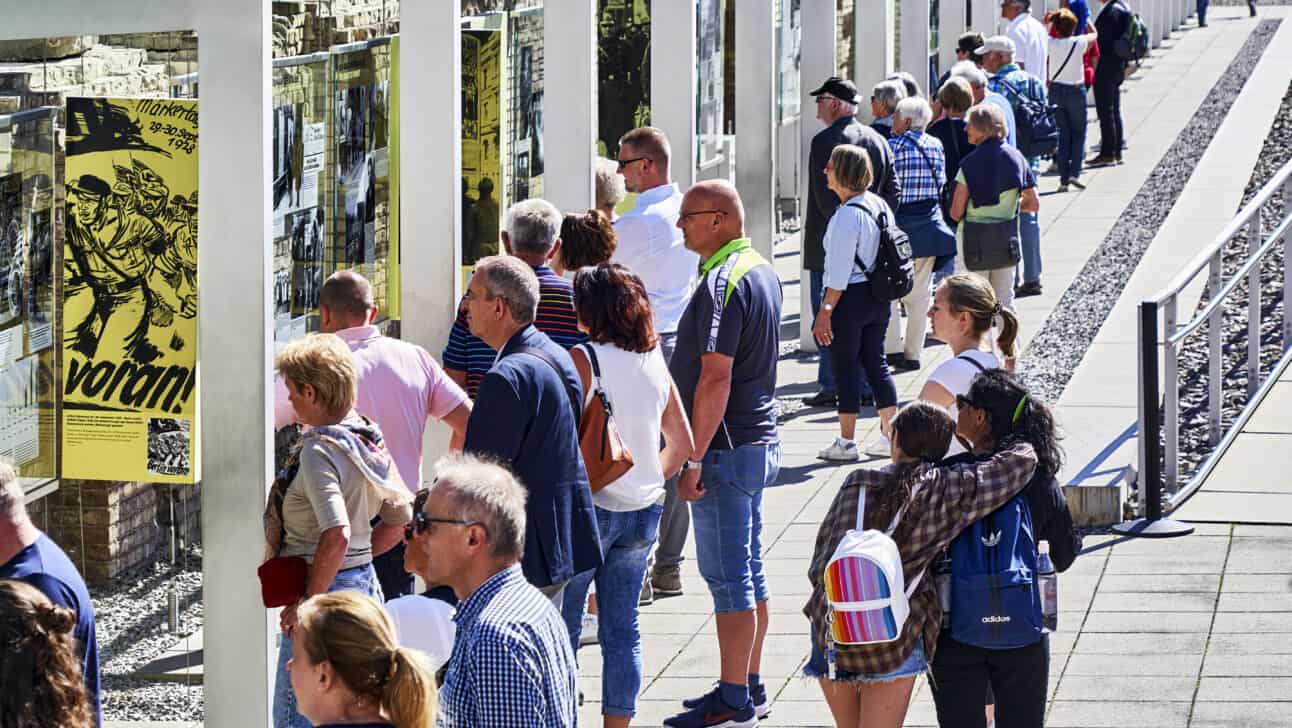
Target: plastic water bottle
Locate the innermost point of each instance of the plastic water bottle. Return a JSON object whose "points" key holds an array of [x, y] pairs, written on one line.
{"points": [[1048, 580], [942, 579]]}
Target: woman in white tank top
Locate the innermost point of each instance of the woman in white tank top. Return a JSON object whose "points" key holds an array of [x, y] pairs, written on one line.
{"points": [[963, 313], [615, 312]]}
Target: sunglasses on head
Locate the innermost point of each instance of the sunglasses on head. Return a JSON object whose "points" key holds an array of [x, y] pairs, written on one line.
{"points": [[963, 401]]}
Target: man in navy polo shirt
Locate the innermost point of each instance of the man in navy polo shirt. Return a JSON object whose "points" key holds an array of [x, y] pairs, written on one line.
{"points": [[28, 555]]}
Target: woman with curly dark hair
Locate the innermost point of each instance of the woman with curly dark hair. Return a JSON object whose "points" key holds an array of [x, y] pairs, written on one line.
{"points": [[42, 675], [586, 240], [623, 361], [998, 410], [923, 505]]}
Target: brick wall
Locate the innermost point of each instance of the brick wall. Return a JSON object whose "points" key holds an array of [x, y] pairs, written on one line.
{"points": [[310, 26]]}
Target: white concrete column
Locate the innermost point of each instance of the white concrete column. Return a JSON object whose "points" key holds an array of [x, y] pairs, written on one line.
{"points": [[570, 103], [756, 119], [1168, 18], [672, 83], [430, 98], [235, 330], [820, 35], [952, 20], [875, 31], [984, 18]]}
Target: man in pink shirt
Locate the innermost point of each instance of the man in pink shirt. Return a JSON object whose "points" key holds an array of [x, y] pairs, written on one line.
{"points": [[400, 385]]}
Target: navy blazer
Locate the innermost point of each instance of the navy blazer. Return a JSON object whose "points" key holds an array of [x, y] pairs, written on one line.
{"points": [[523, 417], [821, 202]]}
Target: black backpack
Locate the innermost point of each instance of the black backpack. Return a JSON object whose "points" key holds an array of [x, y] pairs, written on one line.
{"points": [[893, 275], [1038, 130]]}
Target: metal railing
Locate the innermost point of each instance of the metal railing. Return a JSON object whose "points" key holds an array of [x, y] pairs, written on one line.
{"points": [[1159, 416]]}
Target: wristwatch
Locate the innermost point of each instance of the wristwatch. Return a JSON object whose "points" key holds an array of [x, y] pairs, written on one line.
{"points": [[827, 306], [691, 465]]}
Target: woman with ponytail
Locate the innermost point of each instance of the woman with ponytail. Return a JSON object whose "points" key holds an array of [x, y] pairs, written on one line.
{"points": [[348, 670], [994, 416], [871, 684], [42, 675], [963, 312]]}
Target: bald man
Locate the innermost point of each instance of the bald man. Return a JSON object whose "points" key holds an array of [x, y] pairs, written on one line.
{"points": [[400, 385], [728, 343]]}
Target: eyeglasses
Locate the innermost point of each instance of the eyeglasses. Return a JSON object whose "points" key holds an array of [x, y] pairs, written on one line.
{"points": [[625, 162], [422, 522], [963, 401], [684, 215], [824, 97]]}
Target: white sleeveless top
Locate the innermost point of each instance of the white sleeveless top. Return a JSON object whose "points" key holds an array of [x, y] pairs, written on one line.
{"points": [[955, 375], [637, 386]]}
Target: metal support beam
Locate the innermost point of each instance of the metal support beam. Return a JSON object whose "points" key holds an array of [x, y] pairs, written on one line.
{"points": [[820, 34], [874, 33], [672, 84], [756, 119], [570, 107], [235, 255], [430, 99]]}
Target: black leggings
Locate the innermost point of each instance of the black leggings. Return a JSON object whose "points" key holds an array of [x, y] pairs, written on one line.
{"points": [[859, 323], [962, 674]]}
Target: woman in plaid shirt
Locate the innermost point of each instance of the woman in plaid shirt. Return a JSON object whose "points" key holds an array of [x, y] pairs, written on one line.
{"points": [[940, 501]]}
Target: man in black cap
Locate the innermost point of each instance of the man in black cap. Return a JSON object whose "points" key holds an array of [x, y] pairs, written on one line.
{"points": [[836, 107]]}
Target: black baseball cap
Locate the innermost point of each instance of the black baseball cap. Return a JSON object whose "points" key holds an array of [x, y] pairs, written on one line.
{"points": [[840, 88]]}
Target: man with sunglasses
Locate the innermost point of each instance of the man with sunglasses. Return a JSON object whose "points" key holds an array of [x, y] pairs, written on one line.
{"points": [[650, 244], [511, 663], [836, 107]]}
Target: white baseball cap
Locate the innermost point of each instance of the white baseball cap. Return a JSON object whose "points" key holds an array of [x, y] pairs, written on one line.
{"points": [[996, 43]]}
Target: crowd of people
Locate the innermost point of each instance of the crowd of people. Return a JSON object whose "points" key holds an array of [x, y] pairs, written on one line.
{"points": [[646, 344]]}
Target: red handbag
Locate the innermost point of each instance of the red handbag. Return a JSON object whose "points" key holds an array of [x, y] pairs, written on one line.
{"points": [[283, 580]]}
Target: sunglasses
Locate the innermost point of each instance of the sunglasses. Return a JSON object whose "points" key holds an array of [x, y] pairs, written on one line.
{"points": [[422, 522], [625, 162], [963, 401]]}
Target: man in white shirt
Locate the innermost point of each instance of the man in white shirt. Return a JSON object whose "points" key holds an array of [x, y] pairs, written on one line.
{"points": [[650, 244], [1029, 36]]}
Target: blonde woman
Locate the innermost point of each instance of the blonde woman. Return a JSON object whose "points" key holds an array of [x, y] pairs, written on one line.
{"points": [[347, 669], [322, 504], [993, 186], [852, 321]]}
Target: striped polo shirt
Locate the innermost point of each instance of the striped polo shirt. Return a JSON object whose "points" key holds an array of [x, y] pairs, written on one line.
{"points": [[555, 317]]}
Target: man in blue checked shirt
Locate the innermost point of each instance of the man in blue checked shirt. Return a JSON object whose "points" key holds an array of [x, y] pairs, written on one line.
{"points": [[511, 664], [1015, 83]]}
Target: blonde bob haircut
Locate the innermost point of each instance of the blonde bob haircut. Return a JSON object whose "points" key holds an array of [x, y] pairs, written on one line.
{"points": [[852, 167], [322, 361], [987, 119], [956, 95]]}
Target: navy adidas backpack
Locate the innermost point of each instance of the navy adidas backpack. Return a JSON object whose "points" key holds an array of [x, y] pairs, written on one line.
{"points": [[995, 602]]}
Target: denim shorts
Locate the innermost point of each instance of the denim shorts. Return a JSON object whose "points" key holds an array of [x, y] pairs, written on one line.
{"points": [[916, 664], [728, 524]]}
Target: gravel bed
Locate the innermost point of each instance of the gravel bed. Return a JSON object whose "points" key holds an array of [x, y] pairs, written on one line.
{"points": [[1057, 349], [131, 624], [1193, 380]]}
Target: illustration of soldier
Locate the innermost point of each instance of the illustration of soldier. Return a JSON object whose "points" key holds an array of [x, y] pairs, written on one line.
{"points": [[173, 281]]}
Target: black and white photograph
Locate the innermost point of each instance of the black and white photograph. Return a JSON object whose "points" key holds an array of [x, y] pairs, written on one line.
{"points": [[11, 245], [289, 154], [623, 56], [37, 252], [168, 445]]}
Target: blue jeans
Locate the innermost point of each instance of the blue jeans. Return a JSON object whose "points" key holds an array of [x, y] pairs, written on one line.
{"points": [[1071, 102], [818, 665], [626, 541], [361, 579], [729, 524], [824, 372]]}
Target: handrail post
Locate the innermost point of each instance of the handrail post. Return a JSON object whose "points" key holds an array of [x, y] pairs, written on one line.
{"points": [[1287, 267], [1254, 308], [1152, 525], [1172, 383], [1215, 354]]}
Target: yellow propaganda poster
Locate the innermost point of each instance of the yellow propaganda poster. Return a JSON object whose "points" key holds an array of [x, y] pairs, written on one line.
{"points": [[130, 291]]}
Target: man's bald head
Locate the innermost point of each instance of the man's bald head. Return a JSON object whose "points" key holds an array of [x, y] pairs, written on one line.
{"points": [[348, 298], [711, 216]]}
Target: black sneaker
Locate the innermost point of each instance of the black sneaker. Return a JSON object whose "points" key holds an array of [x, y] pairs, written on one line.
{"points": [[1028, 289], [709, 711], [822, 399], [757, 694], [903, 364]]}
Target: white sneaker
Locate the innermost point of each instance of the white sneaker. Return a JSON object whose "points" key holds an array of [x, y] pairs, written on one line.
{"points": [[880, 448], [841, 450], [588, 632]]}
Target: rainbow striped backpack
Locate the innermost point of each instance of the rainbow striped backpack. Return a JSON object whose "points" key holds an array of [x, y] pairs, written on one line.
{"points": [[865, 586]]}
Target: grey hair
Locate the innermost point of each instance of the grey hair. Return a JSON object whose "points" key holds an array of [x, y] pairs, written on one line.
{"points": [[888, 93], [909, 84], [13, 502], [969, 71], [610, 184], [533, 226], [915, 110], [484, 492], [513, 280]]}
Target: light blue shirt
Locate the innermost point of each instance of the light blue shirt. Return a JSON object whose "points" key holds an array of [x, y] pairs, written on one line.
{"points": [[1011, 137], [650, 244], [850, 234]]}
